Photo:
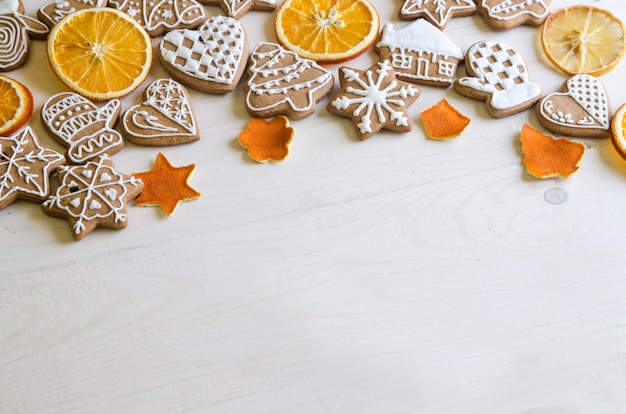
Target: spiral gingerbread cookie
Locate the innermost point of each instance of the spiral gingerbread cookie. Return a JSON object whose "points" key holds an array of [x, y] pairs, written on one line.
{"points": [[16, 29]]}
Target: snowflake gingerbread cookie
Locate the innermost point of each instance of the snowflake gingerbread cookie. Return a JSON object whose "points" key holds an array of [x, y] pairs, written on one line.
{"points": [[92, 195], [162, 16], [374, 99], [16, 29], [282, 83], [25, 168], [437, 12]]}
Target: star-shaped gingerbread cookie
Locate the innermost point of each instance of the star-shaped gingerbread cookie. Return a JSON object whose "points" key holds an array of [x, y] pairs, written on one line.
{"points": [[92, 195], [25, 168], [237, 8], [374, 99], [166, 186], [437, 12]]}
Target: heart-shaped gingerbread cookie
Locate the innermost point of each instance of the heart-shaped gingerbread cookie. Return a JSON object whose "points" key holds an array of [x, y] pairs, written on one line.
{"points": [[210, 59], [164, 118], [581, 109]]}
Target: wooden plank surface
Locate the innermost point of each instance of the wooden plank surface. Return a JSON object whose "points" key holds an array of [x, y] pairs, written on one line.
{"points": [[395, 275]]}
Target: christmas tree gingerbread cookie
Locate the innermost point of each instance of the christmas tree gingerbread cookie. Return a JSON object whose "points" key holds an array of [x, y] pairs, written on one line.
{"points": [[437, 12], [282, 83]]}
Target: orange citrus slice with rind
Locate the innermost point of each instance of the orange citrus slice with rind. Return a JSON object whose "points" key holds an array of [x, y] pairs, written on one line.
{"points": [[16, 106], [327, 31], [618, 131], [100, 53], [443, 121], [583, 39]]}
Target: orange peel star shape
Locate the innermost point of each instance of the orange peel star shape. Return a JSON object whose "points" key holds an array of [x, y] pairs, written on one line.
{"points": [[267, 140], [545, 156], [166, 186]]}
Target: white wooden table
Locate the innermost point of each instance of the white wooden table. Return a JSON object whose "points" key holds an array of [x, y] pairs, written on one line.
{"points": [[393, 275]]}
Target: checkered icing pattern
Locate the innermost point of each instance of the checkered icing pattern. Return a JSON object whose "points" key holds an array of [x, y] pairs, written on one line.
{"points": [[212, 53], [497, 64], [589, 93]]}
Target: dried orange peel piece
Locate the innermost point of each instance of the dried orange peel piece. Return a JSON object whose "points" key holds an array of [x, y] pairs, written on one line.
{"points": [[443, 121], [166, 186], [100, 53], [327, 31], [618, 131], [16, 106], [267, 140], [583, 39], [546, 156]]}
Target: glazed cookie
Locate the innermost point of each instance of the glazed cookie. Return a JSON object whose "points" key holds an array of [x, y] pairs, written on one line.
{"points": [[81, 126], [507, 14], [52, 12], [581, 109], [16, 29], [420, 53], [281, 82], [163, 16], [25, 168], [164, 118], [438, 12], [210, 59], [237, 8], [374, 99], [497, 74], [92, 195]]}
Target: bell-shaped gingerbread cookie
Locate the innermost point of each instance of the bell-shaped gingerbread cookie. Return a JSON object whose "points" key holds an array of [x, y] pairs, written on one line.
{"points": [[16, 29], [86, 129], [497, 74]]}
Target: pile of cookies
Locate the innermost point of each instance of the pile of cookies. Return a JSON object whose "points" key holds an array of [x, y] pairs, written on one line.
{"points": [[102, 51]]}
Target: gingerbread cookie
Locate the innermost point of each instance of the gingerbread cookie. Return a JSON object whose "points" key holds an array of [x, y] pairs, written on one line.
{"points": [[237, 8], [420, 53], [497, 74], [438, 12], [86, 129], [581, 109], [281, 82], [507, 14], [164, 118], [374, 99], [92, 195], [16, 29], [52, 12], [25, 168], [162, 16], [210, 59], [166, 186]]}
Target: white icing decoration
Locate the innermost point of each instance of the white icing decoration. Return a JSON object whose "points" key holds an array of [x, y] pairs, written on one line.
{"points": [[511, 9], [437, 11], [421, 41], [149, 14], [72, 117], [590, 95], [505, 78], [111, 193], [233, 7], [169, 99], [18, 154], [105, 177], [372, 96], [275, 55], [91, 194], [219, 43]]}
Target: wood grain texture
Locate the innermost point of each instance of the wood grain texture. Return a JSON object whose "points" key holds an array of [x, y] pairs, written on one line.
{"points": [[395, 275]]}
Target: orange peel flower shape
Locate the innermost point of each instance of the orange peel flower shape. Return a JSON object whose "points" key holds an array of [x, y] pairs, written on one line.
{"points": [[267, 140], [166, 186], [442, 121], [546, 156]]}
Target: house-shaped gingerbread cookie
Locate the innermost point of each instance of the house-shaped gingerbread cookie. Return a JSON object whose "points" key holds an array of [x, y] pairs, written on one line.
{"points": [[420, 53]]}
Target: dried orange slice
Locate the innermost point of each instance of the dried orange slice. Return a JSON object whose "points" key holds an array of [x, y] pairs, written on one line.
{"points": [[267, 140], [100, 53], [618, 131], [583, 39], [545, 156], [443, 121], [16, 105], [327, 31]]}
